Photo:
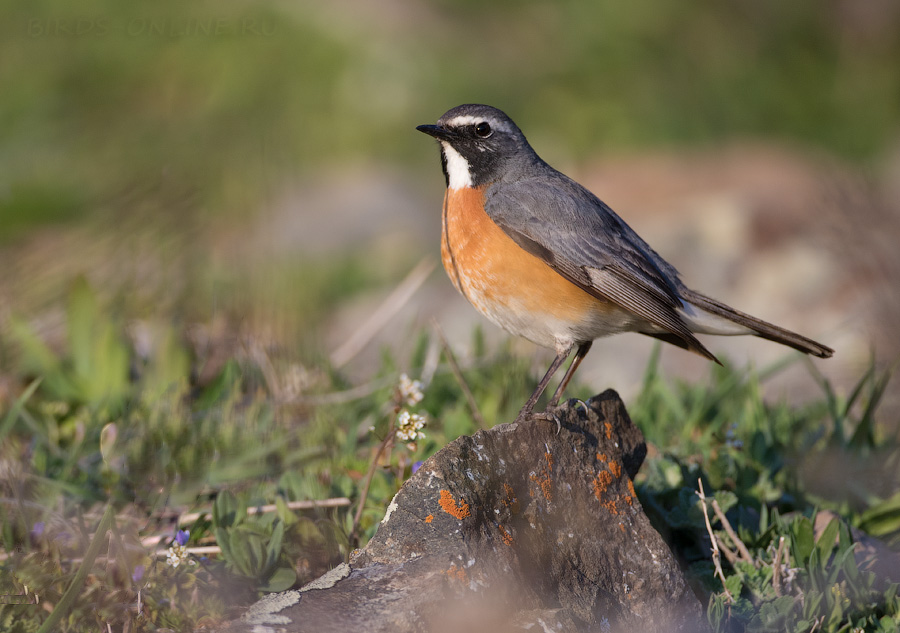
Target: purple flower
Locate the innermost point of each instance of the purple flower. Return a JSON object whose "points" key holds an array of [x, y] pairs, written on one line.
{"points": [[138, 573], [37, 529], [182, 536], [416, 466]]}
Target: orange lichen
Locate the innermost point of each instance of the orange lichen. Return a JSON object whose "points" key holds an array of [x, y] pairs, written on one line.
{"points": [[601, 483], [616, 469], [510, 501], [608, 427], [429, 518], [622, 526], [544, 480], [456, 573], [601, 486], [448, 504], [632, 494], [606, 477], [505, 536]]}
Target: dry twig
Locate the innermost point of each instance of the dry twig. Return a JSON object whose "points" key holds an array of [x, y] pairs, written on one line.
{"points": [[730, 556], [383, 314], [364, 493], [776, 567], [202, 550], [745, 553], [190, 518], [715, 544]]}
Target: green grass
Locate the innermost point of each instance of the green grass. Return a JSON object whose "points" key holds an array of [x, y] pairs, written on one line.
{"points": [[764, 464], [97, 430]]}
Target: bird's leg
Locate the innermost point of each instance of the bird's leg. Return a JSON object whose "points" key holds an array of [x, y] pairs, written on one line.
{"points": [[529, 406], [580, 353]]}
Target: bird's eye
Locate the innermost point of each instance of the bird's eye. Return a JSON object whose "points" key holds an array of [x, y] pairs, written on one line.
{"points": [[483, 129]]}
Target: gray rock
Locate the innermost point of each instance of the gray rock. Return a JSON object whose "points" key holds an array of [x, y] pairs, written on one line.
{"points": [[518, 528]]}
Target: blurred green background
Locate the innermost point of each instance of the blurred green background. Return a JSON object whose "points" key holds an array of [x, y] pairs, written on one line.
{"points": [[165, 130]]}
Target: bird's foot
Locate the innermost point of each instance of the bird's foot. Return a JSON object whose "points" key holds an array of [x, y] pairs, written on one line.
{"points": [[549, 415], [524, 416]]}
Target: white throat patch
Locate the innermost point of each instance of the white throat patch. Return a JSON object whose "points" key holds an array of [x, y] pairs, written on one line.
{"points": [[458, 175]]}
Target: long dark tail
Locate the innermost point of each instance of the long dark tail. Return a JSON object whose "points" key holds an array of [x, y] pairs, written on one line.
{"points": [[759, 327]]}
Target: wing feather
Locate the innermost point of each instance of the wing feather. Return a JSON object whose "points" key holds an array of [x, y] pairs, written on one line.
{"points": [[575, 233]]}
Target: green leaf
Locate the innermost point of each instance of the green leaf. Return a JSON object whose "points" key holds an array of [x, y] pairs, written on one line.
{"points": [[220, 388], [812, 604], [726, 499], [285, 514], [828, 538], [108, 382], [882, 518], [168, 369], [36, 356], [734, 584], [715, 612], [281, 579], [864, 434], [223, 540], [781, 608], [227, 511], [273, 549], [38, 359], [888, 624], [257, 551], [16, 410], [802, 539]]}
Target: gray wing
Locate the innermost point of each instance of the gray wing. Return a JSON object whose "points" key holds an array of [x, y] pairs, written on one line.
{"points": [[573, 231]]}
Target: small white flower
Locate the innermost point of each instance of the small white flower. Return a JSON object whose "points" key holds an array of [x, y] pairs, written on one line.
{"points": [[409, 426], [178, 555], [410, 390]]}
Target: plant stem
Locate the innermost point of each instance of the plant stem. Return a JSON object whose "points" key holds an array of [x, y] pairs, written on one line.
{"points": [[387, 441], [715, 543]]}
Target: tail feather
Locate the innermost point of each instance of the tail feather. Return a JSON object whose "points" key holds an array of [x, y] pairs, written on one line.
{"points": [[756, 326]]}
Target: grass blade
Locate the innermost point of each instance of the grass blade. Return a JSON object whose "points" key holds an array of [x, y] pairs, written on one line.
{"points": [[15, 411], [65, 603]]}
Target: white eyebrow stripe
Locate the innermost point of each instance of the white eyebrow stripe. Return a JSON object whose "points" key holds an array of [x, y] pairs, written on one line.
{"points": [[468, 119]]}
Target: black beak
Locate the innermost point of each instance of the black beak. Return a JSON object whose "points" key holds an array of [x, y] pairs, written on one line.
{"points": [[438, 132]]}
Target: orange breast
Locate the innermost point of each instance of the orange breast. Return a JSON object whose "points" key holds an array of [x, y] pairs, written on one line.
{"points": [[512, 287]]}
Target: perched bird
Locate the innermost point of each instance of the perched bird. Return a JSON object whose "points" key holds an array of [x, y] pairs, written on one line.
{"points": [[545, 259]]}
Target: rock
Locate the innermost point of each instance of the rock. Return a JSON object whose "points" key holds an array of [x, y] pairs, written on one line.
{"points": [[513, 529]]}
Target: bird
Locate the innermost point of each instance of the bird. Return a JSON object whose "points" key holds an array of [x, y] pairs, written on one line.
{"points": [[547, 260]]}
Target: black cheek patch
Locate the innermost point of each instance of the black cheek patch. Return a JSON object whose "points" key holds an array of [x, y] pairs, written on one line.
{"points": [[444, 169]]}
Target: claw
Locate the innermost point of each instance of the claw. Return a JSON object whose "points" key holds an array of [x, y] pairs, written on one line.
{"points": [[549, 415], [545, 416]]}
